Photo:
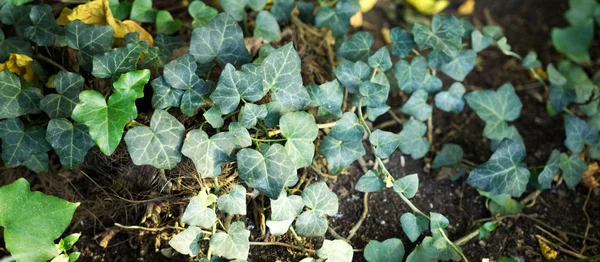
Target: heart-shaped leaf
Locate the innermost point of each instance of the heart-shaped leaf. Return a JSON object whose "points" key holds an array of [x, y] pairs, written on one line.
{"points": [[336, 251], [15, 101], [579, 133], [479, 41], [266, 26], [235, 8], [357, 47], [340, 154], [411, 76], [338, 19], [166, 24], [574, 41], [233, 202], [257, 5], [44, 31], [385, 143], [142, 11], [328, 97], [411, 139], [495, 108], [207, 154], [197, 212], [348, 129], [351, 75], [301, 131], [118, 61], [68, 86], [451, 100], [459, 67], [282, 9], [444, 35], [120, 10], [89, 40], [381, 59], [186, 242], [250, 113], [374, 94], [319, 198], [71, 142], [390, 250], [164, 96], [417, 106], [16, 15], [450, 156], [413, 225], [311, 224], [402, 42], [407, 185], [572, 168], [181, 74], [23, 147], [231, 245], [286, 207], [268, 172], [233, 86], [370, 182]]}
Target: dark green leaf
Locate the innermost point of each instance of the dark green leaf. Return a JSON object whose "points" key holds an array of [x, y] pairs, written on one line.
{"points": [[402, 42], [213, 117], [15, 101], [450, 156], [340, 154], [328, 97], [120, 10], [268, 171], [181, 74], [17, 45], [118, 61], [579, 133], [89, 40], [580, 10], [234, 85], [68, 85], [417, 106], [351, 75], [44, 31], [370, 182], [373, 94], [23, 147], [413, 225], [572, 169], [410, 77], [574, 41], [550, 170], [250, 113], [282, 9], [407, 185], [16, 15], [451, 100], [164, 96], [495, 108], [445, 35], [348, 129], [71, 142], [381, 59], [385, 143], [357, 47], [267, 27], [390, 250]]}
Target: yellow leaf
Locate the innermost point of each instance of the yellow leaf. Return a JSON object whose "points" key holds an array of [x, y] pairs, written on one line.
{"points": [[429, 7], [467, 7], [20, 65], [366, 5], [97, 12], [357, 19], [540, 72], [547, 251], [385, 33]]}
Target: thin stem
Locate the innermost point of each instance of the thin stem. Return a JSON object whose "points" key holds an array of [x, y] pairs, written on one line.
{"points": [[352, 231], [50, 61], [466, 238], [538, 77], [269, 140], [297, 238], [413, 207], [310, 251], [453, 246]]}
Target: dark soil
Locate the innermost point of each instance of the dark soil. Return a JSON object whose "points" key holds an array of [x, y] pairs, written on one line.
{"points": [[112, 190]]}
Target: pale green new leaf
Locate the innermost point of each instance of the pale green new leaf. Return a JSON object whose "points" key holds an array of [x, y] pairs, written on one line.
{"points": [[411, 76], [166, 24], [221, 40], [186, 242], [21, 146], [479, 41], [351, 75], [234, 85], [574, 41], [301, 131], [336, 251], [142, 11], [266, 26], [495, 108], [207, 154], [407, 185], [413, 225], [572, 168], [268, 172], [311, 224], [381, 59], [411, 139], [579, 133], [445, 35], [235, 8], [44, 31], [250, 113], [357, 47], [68, 86], [197, 212], [417, 106], [15, 101], [402, 42], [459, 67], [550, 170], [451, 100], [213, 117], [348, 129], [450, 156], [385, 143], [340, 154], [231, 245], [71, 142], [390, 250], [370, 182], [201, 13], [89, 40], [531, 60], [233, 202]]}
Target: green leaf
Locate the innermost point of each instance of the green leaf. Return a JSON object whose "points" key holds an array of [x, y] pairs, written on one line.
{"points": [[385, 143], [164, 96], [390, 250], [340, 154], [15, 101], [555, 77], [231, 245], [233, 202], [479, 41], [311, 224], [44, 31], [407, 185], [328, 97], [89, 40], [282, 9], [486, 228], [437, 222], [348, 129], [213, 117], [167, 44], [234, 85], [120, 10], [450, 156], [424, 252], [286, 207], [301, 131], [531, 60], [417, 106], [351, 75], [461, 65], [197, 212], [201, 13], [374, 94], [257, 5], [319, 198], [266, 26], [67, 243], [370, 182], [250, 113], [186, 242], [444, 35], [235, 8], [278, 228], [16, 15], [493, 31], [451, 100], [221, 40], [207, 154], [402, 42], [374, 112], [410, 77], [268, 171], [68, 86], [411, 139], [574, 41], [166, 24], [19, 2], [381, 59], [580, 10], [142, 11], [550, 170], [437, 59], [511, 206], [17, 45], [572, 169], [71, 142], [181, 74], [336, 251], [579, 133], [240, 135], [357, 47], [338, 19], [495, 108], [503, 173], [413, 225], [118, 61], [281, 75], [32, 221], [160, 144], [106, 120], [23, 147], [577, 80]]}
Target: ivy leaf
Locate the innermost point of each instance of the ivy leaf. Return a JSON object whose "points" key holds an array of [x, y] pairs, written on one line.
{"points": [[407, 185], [328, 97], [164, 96], [459, 67], [301, 131], [15, 45], [579, 11], [120, 10], [572, 169], [197, 212], [240, 135], [495, 108], [142, 11], [374, 94], [579, 133], [340, 154], [159, 145], [15, 101], [402, 42], [411, 139], [181, 74], [424, 252], [385, 143], [278, 228], [23, 147], [338, 19], [234, 85], [437, 59], [257, 5], [186, 242], [221, 40], [550, 170], [450, 156], [479, 41], [336, 251], [201, 13], [250, 113], [451, 100], [118, 61], [577, 81], [370, 182], [68, 86], [268, 171], [286, 207], [231, 245], [166, 24], [311, 224], [413, 225], [531, 60], [437, 222], [32, 221], [357, 47], [445, 35], [282, 9], [235, 8], [348, 129], [16, 15], [89, 40], [207, 154], [233, 202], [381, 59], [213, 117], [167, 44], [410, 77], [71, 142], [44, 31], [503, 173], [319, 198], [417, 106], [266, 26], [351, 75], [390, 250], [574, 41]]}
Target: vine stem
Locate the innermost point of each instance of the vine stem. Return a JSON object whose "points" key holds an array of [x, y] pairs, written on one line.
{"points": [[366, 127], [297, 238], [320, 126], [413, 207], [50, 61], [453, 246], [352, 231], [310, 251]]}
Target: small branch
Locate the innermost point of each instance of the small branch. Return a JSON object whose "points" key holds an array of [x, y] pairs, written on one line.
{"points": [[530, 198], [453, 246], [310, 251], [320, 126], [413, 207], [335, 234], [355, 228], [50, 61], [466, 238], [268, 140], [298, 240], [587, 216], [157, 229]]}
